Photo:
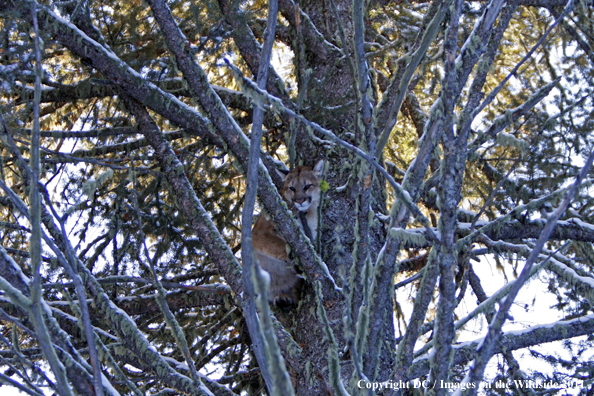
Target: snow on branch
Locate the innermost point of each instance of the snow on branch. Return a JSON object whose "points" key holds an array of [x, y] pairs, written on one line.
{"points": [[513, 340]]}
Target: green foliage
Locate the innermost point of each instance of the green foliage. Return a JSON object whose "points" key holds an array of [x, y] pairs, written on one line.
{"points": [[96, 164]]}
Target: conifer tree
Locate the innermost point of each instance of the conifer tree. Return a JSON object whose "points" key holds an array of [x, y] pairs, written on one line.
{"points": [[137, 138]]}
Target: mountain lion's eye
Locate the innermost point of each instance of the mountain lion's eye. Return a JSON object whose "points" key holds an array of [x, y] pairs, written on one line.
{"points": [[292, 189], [306, 187]]}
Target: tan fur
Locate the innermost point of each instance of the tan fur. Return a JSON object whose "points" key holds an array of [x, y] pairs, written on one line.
{"points": [[301, 192]]}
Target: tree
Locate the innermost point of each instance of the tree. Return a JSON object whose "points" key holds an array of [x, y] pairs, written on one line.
{"points": [[453, 132]]}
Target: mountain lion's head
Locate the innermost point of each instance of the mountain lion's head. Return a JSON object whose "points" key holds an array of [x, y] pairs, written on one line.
{"points": [[302, 186]]}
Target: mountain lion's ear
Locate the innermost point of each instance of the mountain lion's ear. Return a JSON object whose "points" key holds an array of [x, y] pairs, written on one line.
{"points": [[282, 173], [319, 168]]}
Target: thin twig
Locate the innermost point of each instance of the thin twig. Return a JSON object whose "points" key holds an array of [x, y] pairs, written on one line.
{"points": [[43, 336], [494, 92], [261, 329], [176, 330], [485, 351]]}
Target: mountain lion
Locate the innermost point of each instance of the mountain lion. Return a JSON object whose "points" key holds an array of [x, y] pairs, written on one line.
{"points": [[301, 192]]}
